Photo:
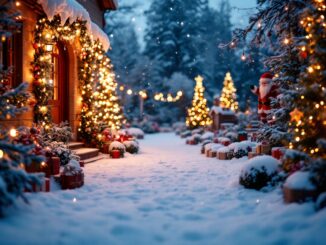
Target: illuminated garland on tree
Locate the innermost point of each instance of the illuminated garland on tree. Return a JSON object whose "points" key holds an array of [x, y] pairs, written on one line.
{"points": [[198, 113], [228, 98], [308, 119], [94, 68]]}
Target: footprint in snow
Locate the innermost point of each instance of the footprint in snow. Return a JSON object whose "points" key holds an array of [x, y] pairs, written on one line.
{"points": [[120, 216], [120, 179], [122, 230], [192, 236]]}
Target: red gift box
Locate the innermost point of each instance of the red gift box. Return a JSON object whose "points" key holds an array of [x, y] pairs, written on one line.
{"points": [[242, 137], [53, 163], [45, 168], [72, 181], [44, 187], [115, 154], [226, 142], [105, 148], [82, 164], [278, 152]]}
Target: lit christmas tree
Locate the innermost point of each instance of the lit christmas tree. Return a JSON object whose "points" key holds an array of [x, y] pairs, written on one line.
{"points": [[198, 113], [107, 109], [228, 98], [308, 119]]}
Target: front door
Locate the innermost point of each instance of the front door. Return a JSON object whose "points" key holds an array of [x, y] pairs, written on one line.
{"points": [[60, 101]]}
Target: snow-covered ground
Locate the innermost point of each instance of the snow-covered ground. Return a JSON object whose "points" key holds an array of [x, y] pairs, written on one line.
{"points": [[167, 194]]}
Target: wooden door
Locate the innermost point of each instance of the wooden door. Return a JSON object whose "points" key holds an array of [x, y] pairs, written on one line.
{"points": [[60, 101]]}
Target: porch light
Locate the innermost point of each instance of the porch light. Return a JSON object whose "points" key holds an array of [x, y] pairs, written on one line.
{"points": [[49, 47]]}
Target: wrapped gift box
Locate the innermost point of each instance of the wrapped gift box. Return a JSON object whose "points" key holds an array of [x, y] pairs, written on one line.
{"points": [[298, 196], [278, 152], [212, 153], [105, 148], [115, 154], [222, 155], [53, 164], [72, 180], [82, 163], [263, 148], [44, 187]]}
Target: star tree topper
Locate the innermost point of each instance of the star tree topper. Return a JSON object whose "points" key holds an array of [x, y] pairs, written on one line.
{"points": [[199, 79], [296, 115]]}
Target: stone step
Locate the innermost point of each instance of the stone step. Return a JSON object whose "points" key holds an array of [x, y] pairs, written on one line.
{"points": [[94, 159], [75, 145], [86, 153]]}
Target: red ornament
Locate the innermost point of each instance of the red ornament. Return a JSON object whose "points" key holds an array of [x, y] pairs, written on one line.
{"points": [[35, 45], [303, 54]]}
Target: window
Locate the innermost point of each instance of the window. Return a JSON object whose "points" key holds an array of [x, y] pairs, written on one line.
{"points": [[11, 57]]}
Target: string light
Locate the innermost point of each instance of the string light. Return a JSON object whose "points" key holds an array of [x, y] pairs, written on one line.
{"points": [[169, 98], [13, 132]]}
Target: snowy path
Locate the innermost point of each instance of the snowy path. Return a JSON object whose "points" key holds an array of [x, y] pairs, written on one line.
{"points": [[168, 194]]}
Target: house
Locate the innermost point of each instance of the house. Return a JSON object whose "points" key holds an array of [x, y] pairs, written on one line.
{"points": [[59, 82], [221, 115]]}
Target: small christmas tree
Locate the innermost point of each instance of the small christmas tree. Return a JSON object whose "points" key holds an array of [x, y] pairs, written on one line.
{"points": [[198, 113], [13, 156], [228, 98]]}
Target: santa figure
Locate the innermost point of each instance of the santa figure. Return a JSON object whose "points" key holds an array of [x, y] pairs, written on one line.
{"points": [[267, 90]]}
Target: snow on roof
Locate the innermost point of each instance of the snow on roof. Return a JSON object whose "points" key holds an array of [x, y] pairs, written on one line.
{"points": [[218, 109], [73, 10], [99, 34]]}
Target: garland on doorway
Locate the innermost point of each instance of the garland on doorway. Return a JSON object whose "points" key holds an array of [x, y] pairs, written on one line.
{"points": [[99, 103]]}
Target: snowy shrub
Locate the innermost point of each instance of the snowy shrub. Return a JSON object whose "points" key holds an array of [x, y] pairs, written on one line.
{"points": [[197, 131], [136, 132], [195, 137], [216, 147], [116, 145], [72, 168], [62, 151], [232, 136], [185, 134], [259, 172], [131, 146], [207, 136], [205, 142], [59, 133]]}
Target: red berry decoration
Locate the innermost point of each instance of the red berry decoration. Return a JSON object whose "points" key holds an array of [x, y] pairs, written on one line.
{"points": [[303, 54]]}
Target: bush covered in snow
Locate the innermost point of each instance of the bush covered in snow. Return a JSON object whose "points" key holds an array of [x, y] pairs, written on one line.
{"points": [[136, 132], [259, 172], [131, 146], [207, 136]]}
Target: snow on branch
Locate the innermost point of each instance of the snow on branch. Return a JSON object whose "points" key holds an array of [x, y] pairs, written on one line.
{"points": [[72, 10]]}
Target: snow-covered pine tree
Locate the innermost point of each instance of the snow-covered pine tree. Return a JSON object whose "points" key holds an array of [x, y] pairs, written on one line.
{"points": [[163, 34], [228, 99], [13, 156], [276, 25]]}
